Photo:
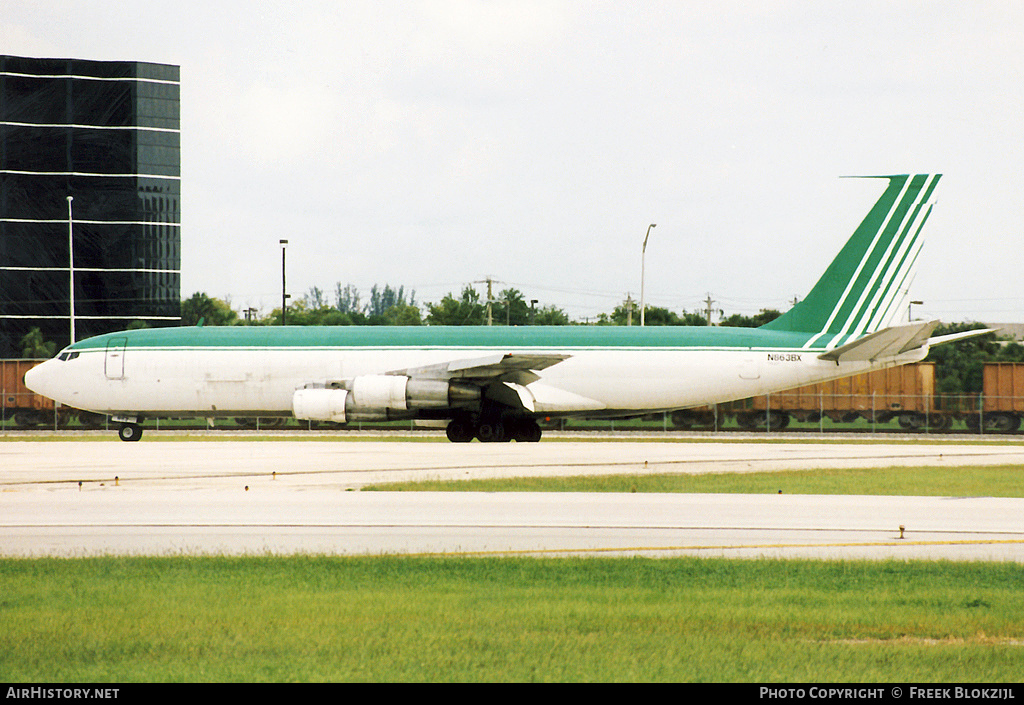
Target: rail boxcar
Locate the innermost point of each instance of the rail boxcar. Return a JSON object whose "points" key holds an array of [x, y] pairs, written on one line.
{"points": [[1002, 405], [905, 394]]}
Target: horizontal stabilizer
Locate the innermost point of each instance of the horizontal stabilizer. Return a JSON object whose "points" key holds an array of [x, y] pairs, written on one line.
{"points": [[943, 339], [889, 342]]}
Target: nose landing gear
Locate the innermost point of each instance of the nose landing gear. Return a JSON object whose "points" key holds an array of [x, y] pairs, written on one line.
{"points": [[130, 432]]}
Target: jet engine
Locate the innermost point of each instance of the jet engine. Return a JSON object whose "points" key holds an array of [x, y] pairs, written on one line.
{"points": [[381, 398]]}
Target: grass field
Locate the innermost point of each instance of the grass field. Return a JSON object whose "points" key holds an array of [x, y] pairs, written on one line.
{"points": [[967, 481], [416, 619]]}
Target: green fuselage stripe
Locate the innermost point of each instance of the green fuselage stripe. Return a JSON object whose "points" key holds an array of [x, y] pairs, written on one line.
{"points": [[454, 337]]}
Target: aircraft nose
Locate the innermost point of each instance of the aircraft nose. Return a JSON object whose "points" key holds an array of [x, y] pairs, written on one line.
{"points": [[40, 379]]}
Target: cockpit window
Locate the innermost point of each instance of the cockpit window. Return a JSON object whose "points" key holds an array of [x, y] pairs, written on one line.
{"points": [[64, 356]]}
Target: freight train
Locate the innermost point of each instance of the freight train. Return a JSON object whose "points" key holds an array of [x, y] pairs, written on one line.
{"points": [[905, 394]]}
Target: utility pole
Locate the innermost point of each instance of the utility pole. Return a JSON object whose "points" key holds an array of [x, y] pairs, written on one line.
{"points": [[709, 302], [490, 297], [629, 309]]}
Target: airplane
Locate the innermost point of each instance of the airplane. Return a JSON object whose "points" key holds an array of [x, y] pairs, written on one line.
{"points": [[494, 383]]}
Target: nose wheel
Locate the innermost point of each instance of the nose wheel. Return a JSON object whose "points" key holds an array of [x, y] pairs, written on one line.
{"points": [[130, 432]]}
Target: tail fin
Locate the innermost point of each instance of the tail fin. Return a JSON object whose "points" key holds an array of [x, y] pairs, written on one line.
{"points": [[866, 287]]}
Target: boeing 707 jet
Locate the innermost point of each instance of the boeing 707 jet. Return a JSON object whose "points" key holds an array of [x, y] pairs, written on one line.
{"points": [[494, 383]]}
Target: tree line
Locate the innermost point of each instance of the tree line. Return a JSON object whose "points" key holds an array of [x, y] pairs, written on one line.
{"points": [[388, 306]]}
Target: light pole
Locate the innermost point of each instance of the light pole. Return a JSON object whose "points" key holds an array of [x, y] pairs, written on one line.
{"points": [[910, 310], [643, 262], [284, 294], [71, 267]]}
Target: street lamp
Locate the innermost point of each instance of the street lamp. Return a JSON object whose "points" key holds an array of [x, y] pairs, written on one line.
{"points": [[643, 258], [284, 295], [71, 267], [910, 310]]}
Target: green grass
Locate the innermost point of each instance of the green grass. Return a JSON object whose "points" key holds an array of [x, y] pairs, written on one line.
{"points": [[967, 481], [507, 619], [302, 618]]}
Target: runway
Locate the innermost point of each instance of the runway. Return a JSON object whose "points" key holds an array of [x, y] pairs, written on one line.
{"points": [[293, 495]]}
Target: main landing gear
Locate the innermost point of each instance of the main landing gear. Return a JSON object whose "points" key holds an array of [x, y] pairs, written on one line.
{"points": [[465, 429]]}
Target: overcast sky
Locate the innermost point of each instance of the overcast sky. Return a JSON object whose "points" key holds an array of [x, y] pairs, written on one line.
{"points": [[433, 144]]}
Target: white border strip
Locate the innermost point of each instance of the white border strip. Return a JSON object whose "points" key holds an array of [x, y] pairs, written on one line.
{"points": [[64, 221], [162, 81], [86, 173], [90, 127], [89, 269], [97, 318]]}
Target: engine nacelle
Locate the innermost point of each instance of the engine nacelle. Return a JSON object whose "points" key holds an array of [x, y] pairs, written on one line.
{"points": [[320, 404], [378, 392], [381, 398]]}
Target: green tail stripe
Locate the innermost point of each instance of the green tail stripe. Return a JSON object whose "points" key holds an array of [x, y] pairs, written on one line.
{"points": [[879, 310], [882, 309], [878, 276], [861, 289]]}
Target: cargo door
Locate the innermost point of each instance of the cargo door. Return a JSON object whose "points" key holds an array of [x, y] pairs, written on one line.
{"points": [[113, 366]]}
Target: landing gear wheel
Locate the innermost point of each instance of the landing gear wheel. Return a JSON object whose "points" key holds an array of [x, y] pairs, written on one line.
{"points": [[525, 431], [130, 432], [492, 433], [460, 431]]}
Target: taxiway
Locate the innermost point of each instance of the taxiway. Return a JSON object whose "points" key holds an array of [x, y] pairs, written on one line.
{"points": [[295, 495]]}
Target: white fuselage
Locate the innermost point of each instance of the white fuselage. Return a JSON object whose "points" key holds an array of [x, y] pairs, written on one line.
{"points": [[254, 381]]}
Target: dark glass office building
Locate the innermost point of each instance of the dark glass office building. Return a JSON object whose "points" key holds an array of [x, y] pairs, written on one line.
{"points": [[107, 134]]}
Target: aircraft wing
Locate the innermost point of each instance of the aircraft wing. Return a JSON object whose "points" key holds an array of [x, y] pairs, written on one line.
{"points": [[894, 341], [507, 366], [516, 378]]}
